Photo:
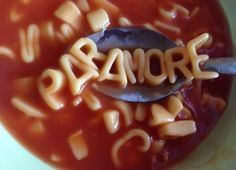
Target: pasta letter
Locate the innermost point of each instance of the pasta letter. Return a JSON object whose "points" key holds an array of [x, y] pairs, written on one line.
{"points": [[108, 6], [131, 134], [140, 112], [84, 50], [160, 115], [181, 64], [98, 20], [78, 145], [111, 120], [196, 59], [27, 108], [69, 13], [115, 56], [136, 63], [125, 109], [150, 77], [124, 22], [178, 129], [174, 105], [68, 64], [167, 27], [4, 51], [83, 5], [48, 92], [91, 100], [29, 43], [157, 146]]}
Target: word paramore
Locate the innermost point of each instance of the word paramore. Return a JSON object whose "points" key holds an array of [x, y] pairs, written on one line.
{"points": [[83, 56]]}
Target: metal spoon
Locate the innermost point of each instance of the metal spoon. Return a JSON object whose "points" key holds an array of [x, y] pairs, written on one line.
{"points": [[139, 37]]}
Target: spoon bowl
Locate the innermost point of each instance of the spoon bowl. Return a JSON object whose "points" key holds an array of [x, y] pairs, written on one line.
{"points": [[131, 38]]}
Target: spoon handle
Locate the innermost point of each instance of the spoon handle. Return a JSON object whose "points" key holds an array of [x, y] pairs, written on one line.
{"points": [[226, 65]]}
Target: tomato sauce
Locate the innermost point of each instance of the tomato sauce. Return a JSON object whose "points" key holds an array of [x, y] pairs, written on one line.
{"points": [[61, 124]]}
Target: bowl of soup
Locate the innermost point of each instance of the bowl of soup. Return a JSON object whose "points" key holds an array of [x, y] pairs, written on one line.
{"points": [[52, 117]]}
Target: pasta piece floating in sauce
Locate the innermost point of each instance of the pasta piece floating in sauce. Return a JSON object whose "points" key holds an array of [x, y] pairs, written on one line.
{"points": [[98, 20], [36, 128], [29, 40], [176, 8], [140, 112], [126, 111], [174, 105], [27, 108], [157, 146], [55, 158], [124, 22], [5, 51], [111, 120], [91, 100], [178, 129], [67, 31], [83, 5], [48, 30], [160, 115], [108, 6], [25, 2], [69, 13], [131, 134], [78, 145], [167, 27], [48, 92], [15, 15]]}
